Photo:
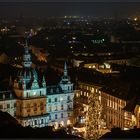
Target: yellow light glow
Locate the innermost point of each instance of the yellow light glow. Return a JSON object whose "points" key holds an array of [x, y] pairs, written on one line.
{"points": [[135, 19]]}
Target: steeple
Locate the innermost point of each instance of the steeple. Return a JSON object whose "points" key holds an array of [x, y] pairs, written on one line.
{"points": [[27, 57], [43, 82], [65, 69], [65, 82]]}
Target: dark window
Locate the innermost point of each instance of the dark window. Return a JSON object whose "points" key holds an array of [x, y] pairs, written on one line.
{"points": [[68, 106], [28, 107], [8, 105], [27, 94], [68, 98], [35, 107], [41, 106], [55, 116], [62, 107], [68, 114], [55, 99], [14, 104], [61, 115], [50, 108], [42, 121], [35, 122], [49, 100], [50, 117], [1, 106]]}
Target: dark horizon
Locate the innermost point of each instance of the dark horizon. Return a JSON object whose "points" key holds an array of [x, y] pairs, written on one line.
{"points": [[45, 9]]}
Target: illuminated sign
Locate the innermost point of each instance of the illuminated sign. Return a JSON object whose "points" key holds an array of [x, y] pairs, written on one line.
{"points": [[98, 41]]}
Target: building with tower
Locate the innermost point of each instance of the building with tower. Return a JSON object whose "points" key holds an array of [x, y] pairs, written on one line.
{"points": [[60, 101], [37, 104]]}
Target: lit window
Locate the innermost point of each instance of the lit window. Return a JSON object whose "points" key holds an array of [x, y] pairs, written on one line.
{"points": [[96, 90], [92, 89], [99, 98], [107, 102], [84, 93], [34, 93]]}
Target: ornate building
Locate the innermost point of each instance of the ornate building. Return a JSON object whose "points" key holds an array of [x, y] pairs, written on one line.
{"points": [[60, 101], [36, 104], [31, 98]]}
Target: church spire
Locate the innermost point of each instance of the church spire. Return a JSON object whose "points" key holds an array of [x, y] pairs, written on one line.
{"points": [[43, 82], [65, 69], [26, 47], [27, 57]]}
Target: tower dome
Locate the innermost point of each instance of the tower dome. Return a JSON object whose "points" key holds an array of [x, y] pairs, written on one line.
{"points": [[27, 74]]}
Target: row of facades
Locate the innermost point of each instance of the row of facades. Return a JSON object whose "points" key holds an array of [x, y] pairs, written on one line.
{"points": [[118, 109]]}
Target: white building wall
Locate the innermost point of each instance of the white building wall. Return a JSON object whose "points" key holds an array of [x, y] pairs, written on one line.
{"points": [[65, 100], [8, 106]]}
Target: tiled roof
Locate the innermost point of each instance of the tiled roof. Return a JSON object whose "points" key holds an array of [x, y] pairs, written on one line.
{"points": [[122, 89]]}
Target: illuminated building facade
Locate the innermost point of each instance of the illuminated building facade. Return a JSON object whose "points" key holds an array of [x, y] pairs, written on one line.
{"points": [[119, 108], [36, 104], [60, 101]]}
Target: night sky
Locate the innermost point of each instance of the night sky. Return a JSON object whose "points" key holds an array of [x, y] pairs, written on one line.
{"points": [[69, 7]]}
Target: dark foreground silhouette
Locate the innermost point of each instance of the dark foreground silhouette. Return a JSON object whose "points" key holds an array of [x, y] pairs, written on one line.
{"points": [[118, 133], [9, 128]]}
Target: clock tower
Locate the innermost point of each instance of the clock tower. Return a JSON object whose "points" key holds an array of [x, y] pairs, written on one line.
{"points": [[31, 98]]}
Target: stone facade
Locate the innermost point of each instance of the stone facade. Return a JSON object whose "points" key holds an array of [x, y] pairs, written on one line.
{"points": [[36, 104]]}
